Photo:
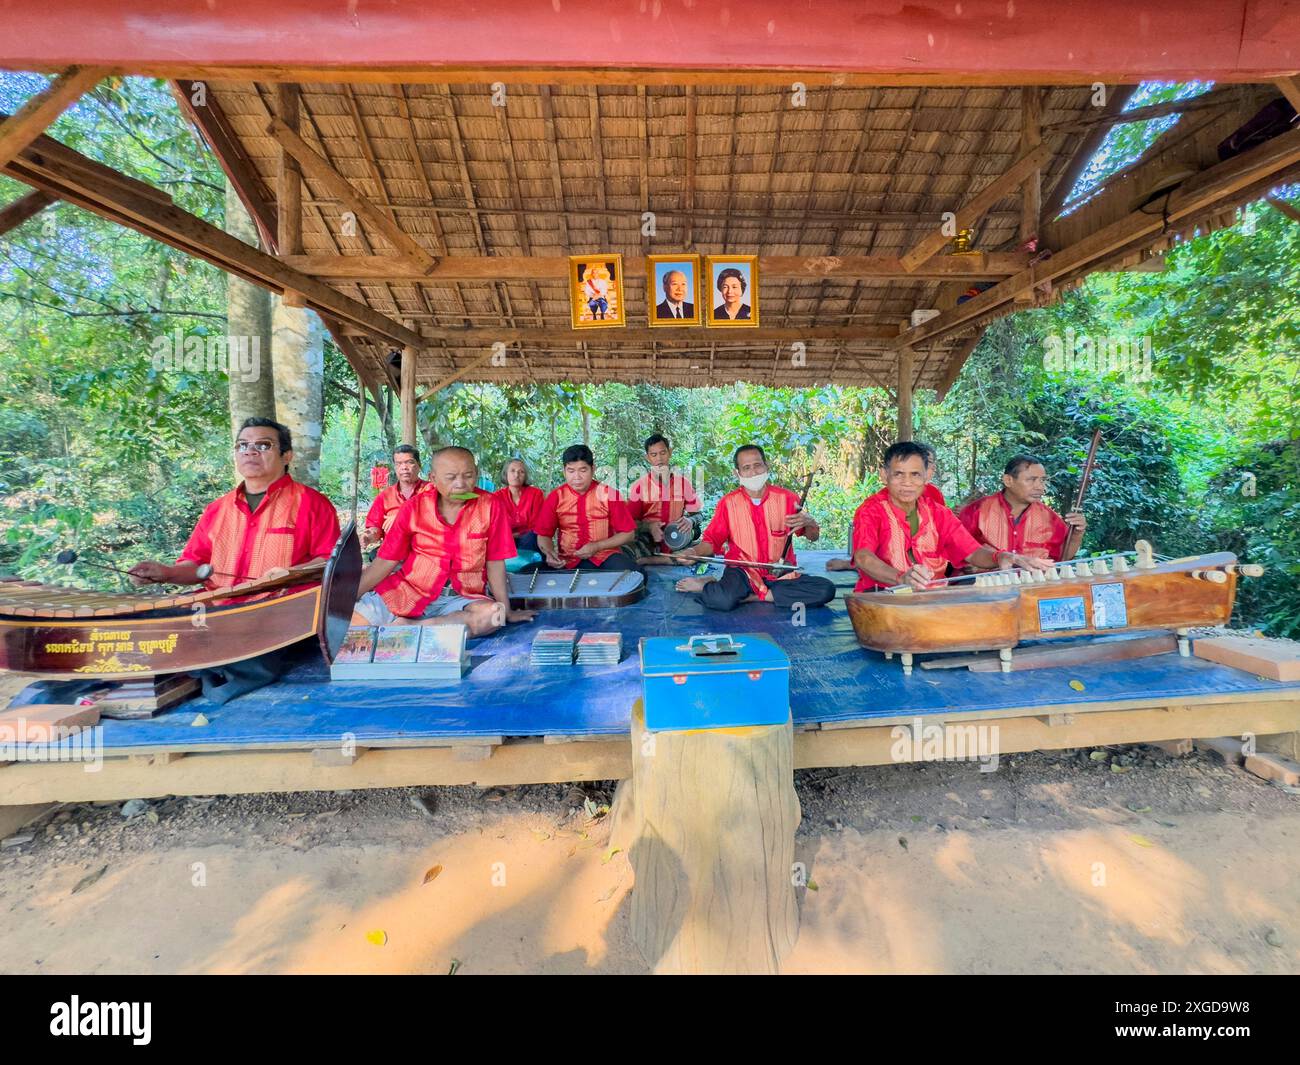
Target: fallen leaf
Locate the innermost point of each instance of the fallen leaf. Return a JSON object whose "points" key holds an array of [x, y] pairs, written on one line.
{"points": [[1273, 938], [902, 842], [540, 835], [1099, 756], [608, 894], [432, 873], [917, 817], [90, 878], [455, 964], [1142, 841], [1114, 768], [609, 854], [812, 885], [378, 937], [1077, 685], [151, 816], [1139, 809]]}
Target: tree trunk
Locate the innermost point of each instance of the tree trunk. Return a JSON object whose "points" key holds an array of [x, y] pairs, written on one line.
{"points": [[248, 318], [708, 821], [298, 355]]}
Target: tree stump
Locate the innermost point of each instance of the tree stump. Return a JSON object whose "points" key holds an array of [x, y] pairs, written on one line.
{"points": [[708, 822]]}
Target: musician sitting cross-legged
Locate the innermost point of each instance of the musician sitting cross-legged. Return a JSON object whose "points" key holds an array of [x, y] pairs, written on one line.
{"points": [[451, 542], [383, 511], [752, 524], [658, 499], [901, 537], [1017, 519], [931, 492], [584, 524], [266, 525]]}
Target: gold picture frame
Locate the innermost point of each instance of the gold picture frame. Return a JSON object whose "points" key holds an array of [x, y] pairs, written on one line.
{"points": [[715, 269], [596, 291], [659, 298]]}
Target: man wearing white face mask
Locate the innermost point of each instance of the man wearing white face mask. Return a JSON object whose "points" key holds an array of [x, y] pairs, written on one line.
{"points": [[752, 523]]}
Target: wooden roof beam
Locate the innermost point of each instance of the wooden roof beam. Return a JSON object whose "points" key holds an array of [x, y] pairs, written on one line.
{"points": [[1195, 195], [1290, 88], [315, 166], [1117, 96], [980, 266], [689, 336], [975, 208], [39, 113], [61, 172], [15, 214]]}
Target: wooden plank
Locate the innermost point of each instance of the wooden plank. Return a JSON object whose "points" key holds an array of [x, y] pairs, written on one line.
{"points": [[318, 168], [61, 172], [1274, 201], [1197, 194], [15, 214], [535, 762], [410, 432], [984, 266], [1096, 651], [1116, 97], [36, 115], [1275, 659], [1031, 137], [289, 175], [973, 209], [1290, 88], [956, 360], [481, 336]]}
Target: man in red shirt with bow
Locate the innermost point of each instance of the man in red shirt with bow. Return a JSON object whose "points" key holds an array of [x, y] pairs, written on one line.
{"points": [[451, 542], [1017, 519], [753, 523], [900, 537]]}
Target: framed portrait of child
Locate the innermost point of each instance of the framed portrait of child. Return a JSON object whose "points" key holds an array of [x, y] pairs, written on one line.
{"points": [[596, 291], [673, 285], [732, 292]]}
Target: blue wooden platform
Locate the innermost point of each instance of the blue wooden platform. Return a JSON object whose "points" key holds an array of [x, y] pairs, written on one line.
{"points": [[832, 679]]}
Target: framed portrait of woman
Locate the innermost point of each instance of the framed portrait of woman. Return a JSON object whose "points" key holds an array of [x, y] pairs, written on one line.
{"points": [[673, 285], [732, 292], [596, 291]]}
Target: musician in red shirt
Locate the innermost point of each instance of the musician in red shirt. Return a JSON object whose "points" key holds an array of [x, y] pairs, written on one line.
{"points": [[383, 511], [1017, 519], [900, 537], [266, 525], [753, 523], [523, 502], [584, 523], [658, 498], [930, 492], [451, 542]]}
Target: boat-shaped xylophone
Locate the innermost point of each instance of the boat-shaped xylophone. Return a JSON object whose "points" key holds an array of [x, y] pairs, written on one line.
{"points": [[997, 611], [70, 633]]}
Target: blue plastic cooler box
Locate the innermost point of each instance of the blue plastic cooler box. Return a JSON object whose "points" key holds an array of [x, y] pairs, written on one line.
{"points": [[714, 681]]}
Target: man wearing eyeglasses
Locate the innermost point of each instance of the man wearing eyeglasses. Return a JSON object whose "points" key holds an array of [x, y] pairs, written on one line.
{"points": [[269, 522]]}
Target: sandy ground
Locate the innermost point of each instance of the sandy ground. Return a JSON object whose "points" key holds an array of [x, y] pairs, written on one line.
{"points": [[1056, 863]]}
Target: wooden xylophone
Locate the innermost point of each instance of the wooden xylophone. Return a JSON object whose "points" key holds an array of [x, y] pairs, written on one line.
{"points": [[997, 611], [71, 633]]}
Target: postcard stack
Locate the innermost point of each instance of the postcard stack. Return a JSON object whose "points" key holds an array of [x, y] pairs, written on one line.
{"points": [[402, 652]]}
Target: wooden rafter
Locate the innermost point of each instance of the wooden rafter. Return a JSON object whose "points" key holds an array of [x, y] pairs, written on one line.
{"points": [[317, 167], [973, 209], [1116, 97], [1291, 90], [23, 208], [289, 177], [61, 172], [38, 113], [1194, 196]]}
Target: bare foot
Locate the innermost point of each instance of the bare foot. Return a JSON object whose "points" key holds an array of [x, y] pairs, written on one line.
{"points": [[693, 584], [839, 565]]}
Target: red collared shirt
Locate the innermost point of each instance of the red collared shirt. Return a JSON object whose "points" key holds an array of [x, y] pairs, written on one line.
{"points": [[383, 511], [596, 514], [314, 530], [655, 498], [1039, 532], [882, 528], [523, 514]]}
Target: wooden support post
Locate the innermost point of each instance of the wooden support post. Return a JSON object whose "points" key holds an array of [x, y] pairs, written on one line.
{"points": [[708, 821], [36, 115], [409, 432], [906, 358], [1031, 136], [289, 194]]}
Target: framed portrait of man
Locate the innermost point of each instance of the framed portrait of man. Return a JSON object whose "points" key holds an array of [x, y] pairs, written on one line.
{"points": [[673, 285], [596, 291], [731, 294]]}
